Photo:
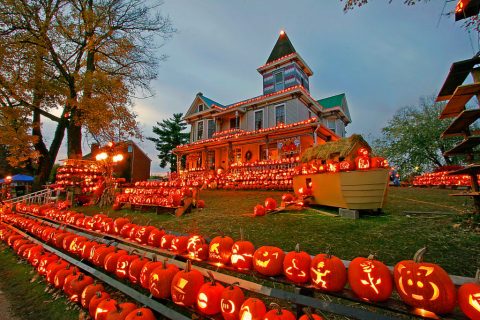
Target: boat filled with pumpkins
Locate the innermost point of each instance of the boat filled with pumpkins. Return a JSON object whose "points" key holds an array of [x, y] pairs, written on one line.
{"points": [[343, 174]]}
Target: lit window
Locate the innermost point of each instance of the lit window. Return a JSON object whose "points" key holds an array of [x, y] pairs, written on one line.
{"points": [[279, 84], [280, 115], [199, 130], [258, 119]]}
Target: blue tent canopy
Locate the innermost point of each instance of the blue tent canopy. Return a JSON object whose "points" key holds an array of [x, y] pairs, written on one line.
{"points": [[19, 178]]}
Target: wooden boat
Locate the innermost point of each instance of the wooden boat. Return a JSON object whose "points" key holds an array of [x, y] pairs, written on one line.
{"points": [[359, 190]]}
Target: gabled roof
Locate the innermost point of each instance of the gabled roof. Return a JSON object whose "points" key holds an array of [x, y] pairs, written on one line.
{"points": [[282, 48], [209, 102], [337, 101]]}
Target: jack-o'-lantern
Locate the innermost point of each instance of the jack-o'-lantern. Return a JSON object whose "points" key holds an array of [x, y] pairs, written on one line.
{"points": [[147, 270], [209, 296], [166, 241], [122, 310], [104, 307], [231, 301], [370, 279], [53, 268], [119, 223], [111, 259], [123, 264], [259, 210], [328, 273], [296, 265], [242, 255], [155, 237], [194, 244], [363, 162], [277, 313], [288, 198], [135, 268], [469, 298], [98, 297], [270, 204], [363, 152], [347, 165], [379, 162], [61, 275], [305, 192], [75, 287], [268, 260], [141, 314], [185, 286], [253, 309], [179, 244], [424, 285], [220, 249], [161, 280], [333, 166], [88, 293], [308, 315], [142, 233]]}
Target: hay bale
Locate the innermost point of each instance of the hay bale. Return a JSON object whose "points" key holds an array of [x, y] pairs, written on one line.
{"points": [[345, 147]]}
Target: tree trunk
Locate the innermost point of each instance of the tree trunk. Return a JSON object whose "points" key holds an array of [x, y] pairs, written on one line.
{"points": [[74, 140]]}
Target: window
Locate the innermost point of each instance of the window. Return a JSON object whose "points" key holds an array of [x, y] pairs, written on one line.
{"points": [[332, 125], [200, 130], [234, 123], [279, 84], [200, 107], [280, 115], [258, 119], [237, 154], [211, 128]]}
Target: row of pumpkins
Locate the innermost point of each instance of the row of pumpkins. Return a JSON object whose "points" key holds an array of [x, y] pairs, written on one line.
{"points": [[421, 285], [164, 281], [161, 196], [79, 287], [441, 179]]}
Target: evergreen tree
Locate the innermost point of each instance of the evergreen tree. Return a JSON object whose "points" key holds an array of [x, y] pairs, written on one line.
{"points": [[170, 134]]}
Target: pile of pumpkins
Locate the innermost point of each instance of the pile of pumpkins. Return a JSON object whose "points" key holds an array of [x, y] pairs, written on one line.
{"points": [[421, 285], [185, 287], [77, 286], [164, 196]]}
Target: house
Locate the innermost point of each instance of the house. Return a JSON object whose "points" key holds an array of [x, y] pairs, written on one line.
{"points": [[278, 124]]}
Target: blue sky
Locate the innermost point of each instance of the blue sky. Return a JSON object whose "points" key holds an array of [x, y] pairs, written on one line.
{"points": [[383, 56]]}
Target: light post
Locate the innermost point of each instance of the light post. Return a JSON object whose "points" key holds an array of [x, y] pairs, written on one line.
{"points": [[107, 160]]}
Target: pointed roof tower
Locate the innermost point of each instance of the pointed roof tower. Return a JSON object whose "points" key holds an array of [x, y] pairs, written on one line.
{"points": [[282, 48]]}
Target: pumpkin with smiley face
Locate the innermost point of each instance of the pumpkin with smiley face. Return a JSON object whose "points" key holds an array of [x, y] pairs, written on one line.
{"points": [[424, 285], [268, 260], [469, 298]]}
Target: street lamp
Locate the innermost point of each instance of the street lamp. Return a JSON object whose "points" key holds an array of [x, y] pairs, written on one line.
{"points": [[107, 159]]}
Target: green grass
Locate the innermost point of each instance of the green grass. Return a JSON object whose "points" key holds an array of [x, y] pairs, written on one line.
{"points": [[392, 236], [29, 300]]}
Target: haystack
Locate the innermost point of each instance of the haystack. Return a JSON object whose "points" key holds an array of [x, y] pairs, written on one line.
{"points": [[342, 148]]}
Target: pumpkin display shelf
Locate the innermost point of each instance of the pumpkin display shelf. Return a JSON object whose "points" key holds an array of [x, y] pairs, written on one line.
{"points": [[458, 95], [82, 174]]}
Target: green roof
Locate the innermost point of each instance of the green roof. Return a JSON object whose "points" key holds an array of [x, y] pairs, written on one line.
{"points": [[333, 101], [282, 48], [211, 102]]}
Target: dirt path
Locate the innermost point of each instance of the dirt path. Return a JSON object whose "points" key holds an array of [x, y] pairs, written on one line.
{"points": [[5, 308]]}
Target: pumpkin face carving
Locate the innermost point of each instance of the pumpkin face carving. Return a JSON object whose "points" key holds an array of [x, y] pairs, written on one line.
{"points": [[328, 273], [242, 255], [185, 286], [469, 298], [253, 309], [220, 249], [268, 260], [209, 295], [231, 301], [424, 285], [370, 279], [296, 265]]}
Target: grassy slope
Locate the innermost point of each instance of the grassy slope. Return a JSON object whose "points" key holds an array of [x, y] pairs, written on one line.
{"points": [[29, 301], [392, 236]]}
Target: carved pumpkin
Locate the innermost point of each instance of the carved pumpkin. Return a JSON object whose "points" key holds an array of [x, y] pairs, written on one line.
{"points": [[61, 275], [141, 314], [121, 311], [135, 268], [119, 223], [296, 265], [362, 163], [53, 268], [328, 273], [259, 210], [309, 315], [231, 301], [104, 307], [220, 249], [110, 262], [147, 270], [242, 255], [347, 165], [379, 162], [179, 244], [98, 297], [75, 287], [288, 198], [166, 241], [209, 295], [279, 314], [370, 279], [161, 280], [268, 260], [424, 285], [185, 286], [270, 204], [194, 244], [253, 309], [123, 264], [469, 298], [44, 261], [155, 237], [101, 253], [88, 293]]}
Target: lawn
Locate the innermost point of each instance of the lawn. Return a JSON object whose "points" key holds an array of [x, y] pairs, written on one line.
{"points": [[392, 236]]}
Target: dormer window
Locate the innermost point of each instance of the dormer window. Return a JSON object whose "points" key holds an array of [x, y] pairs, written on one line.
{"points": [[279, 81], [200, 108]]}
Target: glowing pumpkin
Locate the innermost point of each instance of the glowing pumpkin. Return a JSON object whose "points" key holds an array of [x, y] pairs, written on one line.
{"points": [[370, 279], [88, 293], [287, 198], [268, 260], [104, 307], [141, 314], [231, 301], [296, 265], [253, 309], [185, 286], [155, 237], [220, 249], [328, 273], [424, 285], [259, 210], [121, 311], [270, 204], [195, 243], [161, 280], [242, 255], [362, 163], [166, 241], [147, 271], [469, 298], [95, 301], [279, 314], [179, 244], [209, 296]]}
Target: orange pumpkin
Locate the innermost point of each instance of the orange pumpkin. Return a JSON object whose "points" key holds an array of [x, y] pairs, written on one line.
{"points": [[88, 293], [231, 301], [424, 285], [155, 237], [220, 249], [279, 314], [166, 241], [141, 314], [242, 255], [161, 280], [296, 265], [98, 297], [121, 311], [259, 210], [270, 204], [185, 286], [135, 268], [75, 287], [328, 273], [209, 295], [253, 309], [194, 244], [309, 315], [111, 259], [147, 270], [104, 307], [268, 260], [123, 264], [179, 244], [370, 279], [469, 298]]}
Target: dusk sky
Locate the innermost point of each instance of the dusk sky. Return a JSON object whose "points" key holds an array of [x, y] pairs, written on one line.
{"points": [[383, 56]]}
